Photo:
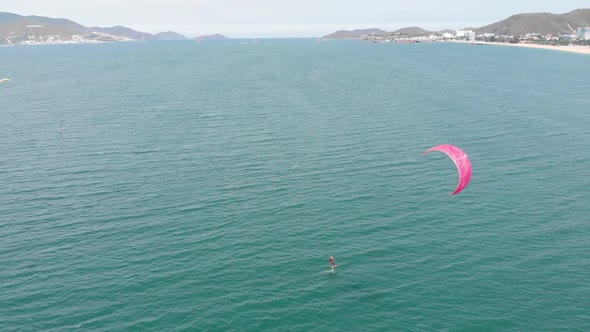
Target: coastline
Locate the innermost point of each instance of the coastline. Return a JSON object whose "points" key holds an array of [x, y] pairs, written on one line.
{"points": [[571, 49]]}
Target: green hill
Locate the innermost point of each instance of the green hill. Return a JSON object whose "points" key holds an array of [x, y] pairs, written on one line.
{"points": [[543, 23], [16, 29], [354, 34]]}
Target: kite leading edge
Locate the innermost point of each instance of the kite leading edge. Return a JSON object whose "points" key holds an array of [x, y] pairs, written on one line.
{"points": [[460, 159]]}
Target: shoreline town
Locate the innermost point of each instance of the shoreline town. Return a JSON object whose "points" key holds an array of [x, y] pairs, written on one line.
{"points": [[580, 49], [578, 42]]}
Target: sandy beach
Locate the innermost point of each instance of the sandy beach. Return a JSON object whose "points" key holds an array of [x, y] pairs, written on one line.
{"points": [[573, 49]]}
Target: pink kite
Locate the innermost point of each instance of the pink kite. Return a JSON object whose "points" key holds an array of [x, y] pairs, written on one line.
{"points": [[460, 159]]}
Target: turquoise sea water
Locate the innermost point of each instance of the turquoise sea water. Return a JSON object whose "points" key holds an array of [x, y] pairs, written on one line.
{"points": [[203, 187]]}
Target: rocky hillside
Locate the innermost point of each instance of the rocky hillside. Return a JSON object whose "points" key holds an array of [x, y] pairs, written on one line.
{"points": [[16, 25], [15, 28], [520, 24], [543, 23], [354, 34], [412, 31], [125, 32]]}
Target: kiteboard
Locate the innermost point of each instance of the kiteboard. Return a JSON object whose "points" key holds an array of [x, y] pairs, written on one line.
{"points": [[333, 266]]}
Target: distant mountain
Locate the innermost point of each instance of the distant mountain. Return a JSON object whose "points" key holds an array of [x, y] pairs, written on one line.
{"points": [[520, 24], [212, 37], [16, 29], [354, 34], [543, 23], [125, 32], [412, 32], [15, 26], [169, 35], [8, 17]]}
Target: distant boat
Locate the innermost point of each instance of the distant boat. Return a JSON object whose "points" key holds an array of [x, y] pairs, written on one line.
{"points": [[406, 41], [5, 80]]}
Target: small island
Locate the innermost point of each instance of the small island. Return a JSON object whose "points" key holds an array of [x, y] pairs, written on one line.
{"points": [[169, 35], [212, 37]]}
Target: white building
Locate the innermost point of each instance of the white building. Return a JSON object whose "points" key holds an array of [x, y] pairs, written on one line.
{"points": [[468, 34], [582, 33], [447, 35]]}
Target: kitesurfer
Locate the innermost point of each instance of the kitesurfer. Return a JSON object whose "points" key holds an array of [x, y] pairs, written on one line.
{"points": [[332, 263]]}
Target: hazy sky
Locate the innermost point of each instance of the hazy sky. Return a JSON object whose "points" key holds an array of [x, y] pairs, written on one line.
{"points": [[286, 18]]}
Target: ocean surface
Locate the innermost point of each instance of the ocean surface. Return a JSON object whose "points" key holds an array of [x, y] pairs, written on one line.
{"points": [[182, 186]]}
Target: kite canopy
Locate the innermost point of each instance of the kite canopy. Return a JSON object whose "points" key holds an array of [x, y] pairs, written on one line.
{"points": [[460, 159]]}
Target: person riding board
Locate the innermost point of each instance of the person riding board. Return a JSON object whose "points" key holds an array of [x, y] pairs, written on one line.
{"points": [[332, 263]]}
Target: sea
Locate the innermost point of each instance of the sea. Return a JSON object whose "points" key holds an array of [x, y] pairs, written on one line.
{"points": [[183, 186]]}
